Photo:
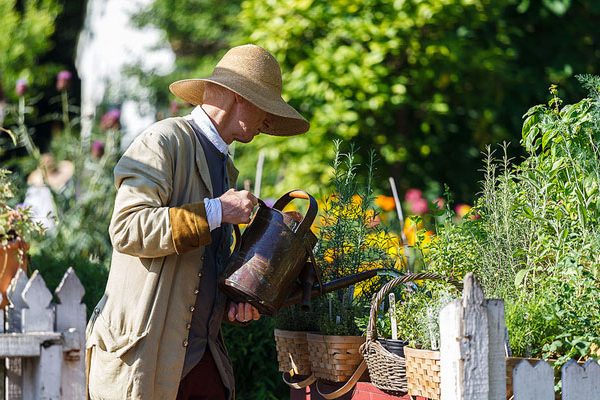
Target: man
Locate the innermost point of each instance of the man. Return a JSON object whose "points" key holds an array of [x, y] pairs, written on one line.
{"points": [[155, 334]]}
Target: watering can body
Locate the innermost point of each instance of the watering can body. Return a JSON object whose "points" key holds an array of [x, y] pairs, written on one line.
{"points": [[271, 255]]}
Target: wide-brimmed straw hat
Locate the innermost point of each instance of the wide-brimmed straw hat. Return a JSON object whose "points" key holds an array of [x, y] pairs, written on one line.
{"points": [[253, 73]]}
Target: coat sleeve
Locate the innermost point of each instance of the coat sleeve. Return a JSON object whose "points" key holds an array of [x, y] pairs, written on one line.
{"points": [[143, 225]]}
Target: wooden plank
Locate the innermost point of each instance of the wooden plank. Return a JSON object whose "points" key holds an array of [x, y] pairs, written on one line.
{"points": [[451, 361], [39, 316], [496, 350], [465, 343], [581, 382], [16, 302], [474, 343], [25, 345], [71, 321], [533, 383], [48, 373], [14, 369]]}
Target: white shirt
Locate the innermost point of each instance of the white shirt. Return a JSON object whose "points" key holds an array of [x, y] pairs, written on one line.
{"points": [[214, 213]]}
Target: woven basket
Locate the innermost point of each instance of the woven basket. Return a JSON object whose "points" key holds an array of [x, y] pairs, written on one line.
{"points": [[334, 358], [423, 372], [388, 370], [292, 352]]}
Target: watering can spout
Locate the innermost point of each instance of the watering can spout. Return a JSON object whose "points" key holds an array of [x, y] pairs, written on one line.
{"points": [[302, 295]]}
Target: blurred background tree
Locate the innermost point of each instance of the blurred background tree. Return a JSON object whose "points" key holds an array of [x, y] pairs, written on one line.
{"points": [[426, 84]]}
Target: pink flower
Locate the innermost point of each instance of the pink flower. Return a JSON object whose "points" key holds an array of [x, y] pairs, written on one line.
{"points": [[63, 80], [419, 206], [21, 87], [439, 203], [97, 149], [412, 195], [110, 120], [174, 108]]}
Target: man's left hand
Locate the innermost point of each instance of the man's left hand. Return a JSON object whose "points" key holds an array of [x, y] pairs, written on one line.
{"points": [[242, 312]]}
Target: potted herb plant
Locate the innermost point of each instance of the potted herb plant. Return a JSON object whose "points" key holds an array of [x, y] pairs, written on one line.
{"points": [[16, 228], [350, 241]]}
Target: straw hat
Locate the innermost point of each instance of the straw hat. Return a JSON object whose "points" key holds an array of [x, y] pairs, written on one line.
{"points": [[253, 73], [57, 174]]}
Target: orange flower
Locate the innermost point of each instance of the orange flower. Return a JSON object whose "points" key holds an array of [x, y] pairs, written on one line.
{"points": [[386, 203]]}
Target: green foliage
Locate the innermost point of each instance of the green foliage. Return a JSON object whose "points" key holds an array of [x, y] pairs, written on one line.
{"points": [[24, 36], [427, 84], [252, 352], [417, 314], [15, 222], [295, 318], [536, 233]]}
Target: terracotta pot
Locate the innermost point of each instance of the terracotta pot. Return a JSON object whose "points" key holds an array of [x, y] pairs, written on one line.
{"points": [[10, 262]]}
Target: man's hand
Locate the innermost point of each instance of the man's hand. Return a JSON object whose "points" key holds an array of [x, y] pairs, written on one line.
{"points": [[243, 312], [236, 207]]}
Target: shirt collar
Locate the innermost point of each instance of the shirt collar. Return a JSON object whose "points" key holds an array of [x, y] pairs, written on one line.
{"points": [[199, 116]]}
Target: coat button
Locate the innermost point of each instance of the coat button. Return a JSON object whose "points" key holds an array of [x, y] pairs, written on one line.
{"points": [[188, 326], [199, 274], [185, 343], [97, 310], [196, 291], [192, 308]]}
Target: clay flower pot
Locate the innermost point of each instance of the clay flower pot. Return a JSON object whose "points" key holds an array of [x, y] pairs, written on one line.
{"points": [[10, 262]]}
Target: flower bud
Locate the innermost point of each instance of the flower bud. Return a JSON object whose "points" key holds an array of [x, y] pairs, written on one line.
{"points": [[21, 87], [63, 80], [97, 149], [110, 120]]}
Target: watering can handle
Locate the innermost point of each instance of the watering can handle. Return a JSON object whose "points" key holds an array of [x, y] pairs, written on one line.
{"points": [[238, 238], [311, 214]]}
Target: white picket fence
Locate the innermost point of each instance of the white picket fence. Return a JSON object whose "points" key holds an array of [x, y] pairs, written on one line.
{"points": [[473, 363], [43, 343]]}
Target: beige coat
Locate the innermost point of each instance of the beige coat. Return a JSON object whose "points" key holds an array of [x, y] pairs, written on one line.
{"points": [[137, 334]]}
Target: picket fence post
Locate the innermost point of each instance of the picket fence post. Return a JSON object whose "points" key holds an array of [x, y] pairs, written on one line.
{"points": [[44, 344], [71, 321], [472, 346], [14, 366]]}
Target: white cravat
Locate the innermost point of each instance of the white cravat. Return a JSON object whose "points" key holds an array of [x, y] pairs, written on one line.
{"points": [[214, 213]]}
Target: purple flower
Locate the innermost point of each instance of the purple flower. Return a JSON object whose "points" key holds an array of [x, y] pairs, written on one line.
{"points": [[63, 80], [21, 87], [97, 149], [110, 120]]}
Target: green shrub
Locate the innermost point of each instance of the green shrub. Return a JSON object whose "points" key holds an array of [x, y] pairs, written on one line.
{"points": [[534, 235]]}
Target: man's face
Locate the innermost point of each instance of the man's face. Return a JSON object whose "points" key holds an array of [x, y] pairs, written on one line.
{"points": [[251, 120]]}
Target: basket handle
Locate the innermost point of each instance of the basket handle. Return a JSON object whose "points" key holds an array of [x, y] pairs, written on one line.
{"points": [[298, 385], [347, 386], [378, 298]]}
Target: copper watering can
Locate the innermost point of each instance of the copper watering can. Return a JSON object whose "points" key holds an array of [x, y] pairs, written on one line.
{"points": [[272, 265]]}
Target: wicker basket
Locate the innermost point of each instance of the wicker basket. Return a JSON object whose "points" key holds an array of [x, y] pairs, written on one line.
{"points": [[292, 352], [423, 372], [334, 358], [388, 370]]}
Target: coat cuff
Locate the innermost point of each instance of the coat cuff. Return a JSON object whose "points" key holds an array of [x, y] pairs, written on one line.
{"points": [[189, 227]]}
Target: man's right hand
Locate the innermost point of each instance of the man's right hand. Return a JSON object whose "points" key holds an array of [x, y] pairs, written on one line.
{"points": [[236, 207]]}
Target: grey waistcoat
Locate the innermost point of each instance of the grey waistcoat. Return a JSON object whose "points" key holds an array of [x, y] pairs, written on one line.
{"points": [[208, 312]]}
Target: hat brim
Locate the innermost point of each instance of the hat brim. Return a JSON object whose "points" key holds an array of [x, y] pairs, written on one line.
{"points": [[285, 120]]}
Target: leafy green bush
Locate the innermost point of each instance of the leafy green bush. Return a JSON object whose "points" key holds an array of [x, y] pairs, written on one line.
{"points": [[534, 235]]}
